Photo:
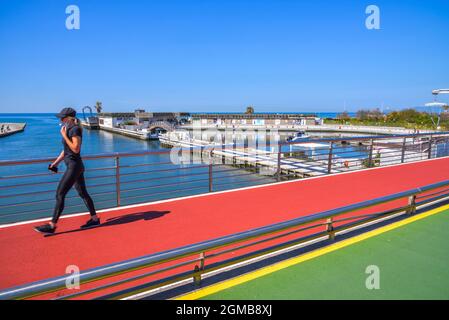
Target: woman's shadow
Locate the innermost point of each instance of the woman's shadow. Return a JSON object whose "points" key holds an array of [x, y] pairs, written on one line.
{"points": [[124, 219]]}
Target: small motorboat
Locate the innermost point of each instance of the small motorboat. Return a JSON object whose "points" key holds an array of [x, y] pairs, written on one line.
{"points": [[298, 136]]}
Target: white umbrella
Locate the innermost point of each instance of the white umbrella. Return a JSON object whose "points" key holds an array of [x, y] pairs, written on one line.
{"points": [[435, 104], [440, 91]]}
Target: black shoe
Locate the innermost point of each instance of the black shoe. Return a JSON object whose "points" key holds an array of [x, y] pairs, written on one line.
{"points": [[91, 223], [46, 228]]}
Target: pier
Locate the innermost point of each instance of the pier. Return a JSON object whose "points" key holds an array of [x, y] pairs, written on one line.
{"points": [[142, 135], [7, 129], [266, 161]]}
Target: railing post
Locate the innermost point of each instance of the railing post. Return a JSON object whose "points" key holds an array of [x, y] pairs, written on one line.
{"points": [[279, 163], [446, 148], [210, 176], [430, 147], [198, 269], [370, 157], [330, 228], [257, 140], [117, 180], [412, 204], [329, 161], [403, 150]]}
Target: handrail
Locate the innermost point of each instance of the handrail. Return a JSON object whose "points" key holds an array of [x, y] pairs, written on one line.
{"points": [[55, 284], [376, 137], [98, 156]]}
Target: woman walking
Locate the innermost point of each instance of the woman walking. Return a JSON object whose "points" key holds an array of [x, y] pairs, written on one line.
{"points": [[74, 175]]}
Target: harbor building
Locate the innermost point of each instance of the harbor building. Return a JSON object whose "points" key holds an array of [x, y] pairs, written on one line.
{"points": [[141, 124], [140, 118], [255, 119]]}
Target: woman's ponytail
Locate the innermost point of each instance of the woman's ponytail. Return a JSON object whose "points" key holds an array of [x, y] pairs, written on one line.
{"points": [[77, 122]]}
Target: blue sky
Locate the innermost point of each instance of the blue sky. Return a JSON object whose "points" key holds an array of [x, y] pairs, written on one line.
{"points": [[167, 55]]}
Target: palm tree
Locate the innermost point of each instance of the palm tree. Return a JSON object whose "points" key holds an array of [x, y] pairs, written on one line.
{"points": [[249, 110], [99, 106]]}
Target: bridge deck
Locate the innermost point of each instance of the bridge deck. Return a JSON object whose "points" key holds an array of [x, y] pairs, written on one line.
{"points": [[126, 233]]}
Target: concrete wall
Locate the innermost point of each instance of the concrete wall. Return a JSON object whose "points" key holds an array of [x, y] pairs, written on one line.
{"points": [[114, 122]]}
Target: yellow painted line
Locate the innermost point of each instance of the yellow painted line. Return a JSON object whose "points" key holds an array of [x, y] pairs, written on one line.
{"points": [[313, 254]]}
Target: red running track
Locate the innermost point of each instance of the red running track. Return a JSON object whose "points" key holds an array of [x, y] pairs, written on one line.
{"points": [[27, 256]]}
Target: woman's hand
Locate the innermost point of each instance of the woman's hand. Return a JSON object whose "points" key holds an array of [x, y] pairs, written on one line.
{"points": [[58, 159], [64, 132], [55, 164]]}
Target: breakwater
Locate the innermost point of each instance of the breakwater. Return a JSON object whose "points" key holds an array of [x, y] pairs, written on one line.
{"points": [[7, 129]]}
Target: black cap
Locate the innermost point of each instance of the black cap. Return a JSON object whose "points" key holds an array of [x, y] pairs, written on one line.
{"points": [[66, 112]]}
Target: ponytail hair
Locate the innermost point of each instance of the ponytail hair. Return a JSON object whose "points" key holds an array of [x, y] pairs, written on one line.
{"points": [[77, 122]]}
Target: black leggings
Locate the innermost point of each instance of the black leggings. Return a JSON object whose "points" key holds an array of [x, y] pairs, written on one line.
{"points": [[74, 175]]}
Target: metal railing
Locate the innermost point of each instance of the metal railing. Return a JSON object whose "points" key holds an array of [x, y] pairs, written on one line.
{"points": [[373, 151], [320, 156], [199, 252], [118, 179], [27, 189]]}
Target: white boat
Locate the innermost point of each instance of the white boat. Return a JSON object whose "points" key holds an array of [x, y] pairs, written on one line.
{"points": [[300, 135]]}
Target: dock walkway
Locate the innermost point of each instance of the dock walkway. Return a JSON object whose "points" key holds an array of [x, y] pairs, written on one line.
{"points": [[255, 157]]}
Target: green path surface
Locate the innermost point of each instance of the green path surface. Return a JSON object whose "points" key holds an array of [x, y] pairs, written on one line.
{"points": [[413, 261]]}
